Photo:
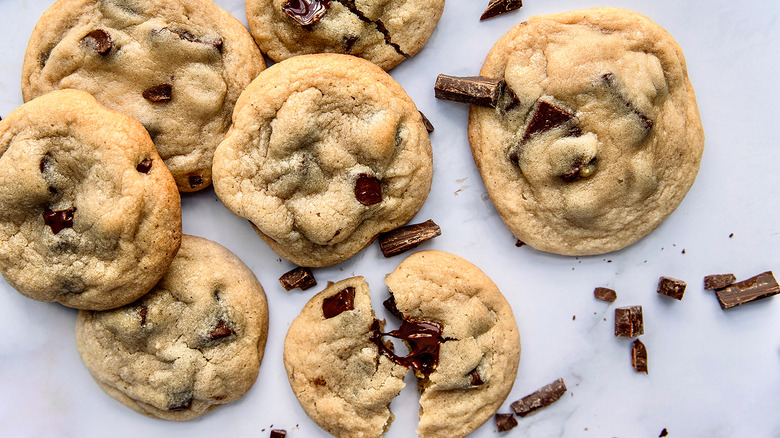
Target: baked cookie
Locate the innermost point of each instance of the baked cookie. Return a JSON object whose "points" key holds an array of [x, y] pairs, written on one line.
{"points": [[326, 151], [89, 214], [597, 138], [192, 344], [178, 66], [385, 32], [335, 369], [464, 348]]}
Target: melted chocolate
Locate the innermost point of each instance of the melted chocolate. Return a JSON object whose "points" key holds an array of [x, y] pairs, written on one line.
{"points": [[59, 220], [306, 12], [144, 166], [368, 189], [221, 330], [100, 41], [424, 339], [341, 302]]}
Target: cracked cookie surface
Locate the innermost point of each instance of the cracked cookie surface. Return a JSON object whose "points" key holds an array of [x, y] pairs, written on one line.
{"points": [[385, 32], [90, 215], [326, 152], [192, 344], [598, 137], [176, 66]]}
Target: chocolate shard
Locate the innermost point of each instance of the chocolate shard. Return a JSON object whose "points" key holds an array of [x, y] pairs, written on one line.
{"points": [[144, 166], [605, 294], [195, 181], [405, 238], [505, 422], [299, 277], [546, 117], [671, 287], [158, 93], [498, 7], [337, 304], [639, 356], [306, 12], [761, 286], [519, 243], [541, 398], [278, 433], [187, 36], [368, 189], [718, 281], [426, 122], [100, 41], [221, 331], [424, 339], [474, 90], [663, 433], [60, 219], [629, 322], [391, 306]]}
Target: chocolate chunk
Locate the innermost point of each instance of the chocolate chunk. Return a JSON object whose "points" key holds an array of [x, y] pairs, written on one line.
{"points": [[505, 422], [671, 287], [278, 433], [391, 306], [476, 379], [605, 294], [99, 40], [578, 170], [409, 237], [341, 302], [519, 243], [426, 122], [629, 322], [186, 36], [144, 166], [195, 180], [142, 312], [761, 286], [423, 338], [546, 117], [59, 220], [368, 189], [220, 331], [542, 398], [306, 12], [298, 278], [474, 90], [718, 281], [498, 7], [663, 433], [158, 93], [639, 356]]}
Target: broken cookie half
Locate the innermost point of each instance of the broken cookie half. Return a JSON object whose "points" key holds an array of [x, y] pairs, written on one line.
{"points": [[462, 340]]}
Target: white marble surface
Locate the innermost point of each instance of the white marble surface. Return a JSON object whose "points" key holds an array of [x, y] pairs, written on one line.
{"points": [[713, 373]]}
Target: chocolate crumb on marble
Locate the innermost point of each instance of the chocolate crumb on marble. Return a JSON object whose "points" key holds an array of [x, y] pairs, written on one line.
{"points": [[426, 122], [539, 399], [499, 7], [761, 286], [278, 433], [408, 237], [629, 322], [671, 287], [718, 281], [299, 277], [605, 294], [663, 433], [505, 422], [639, 356]]}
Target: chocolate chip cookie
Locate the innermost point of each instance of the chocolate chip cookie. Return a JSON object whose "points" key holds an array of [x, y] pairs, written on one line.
{"points": [[89, 214], [597, 137], [177, 66], [192, 344], [386, 32], [326, 151]]}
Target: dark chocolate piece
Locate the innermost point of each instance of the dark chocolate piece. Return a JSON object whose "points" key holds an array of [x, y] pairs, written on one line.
{"points": [[158, 93], [59, 220], [605, 294], [671, 287], [424, 339], [542, 398], [578, 170], [368, 189], [392, 307], [341, 302], [629, 322], [718, 281], [299, 277], [144, 166], [519, 243], [278, 433], [306, 12], [546, 117], [186, 36], [761, 286], [476, 379], [195, 180], [639, 356], [221, 330], [505, 422], [408, 237], [498, 7], [426, 122], [663, 433], [474, 90], [142, 312], [99, 40]]}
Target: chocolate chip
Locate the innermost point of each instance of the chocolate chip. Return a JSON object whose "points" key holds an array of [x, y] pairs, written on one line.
{"points": [[505, 422], [718, 281], [306, 12], [392, 307], [368, 189], [339, 303], [195, 181], [187, 36], [424, 339], [158, 93], [142, 312], [278, 433], [519, 243], [405, 238], [299, 277], [498, 7], [759, 287], [59, 220], [578, 170], [543, 397], [663, 433], [546, 117], [99, 40], [144, 166], [220, 331], [426, 122], [474, 90], [671, 287], [605, 294], [629, 322], [476, 379], [639, 356]]}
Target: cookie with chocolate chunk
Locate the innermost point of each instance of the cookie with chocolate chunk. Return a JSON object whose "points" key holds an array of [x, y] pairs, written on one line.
{"points": [[192, 344], [177, 66], [385, 32], [597, 137], [89, 214], [326, 152]]}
